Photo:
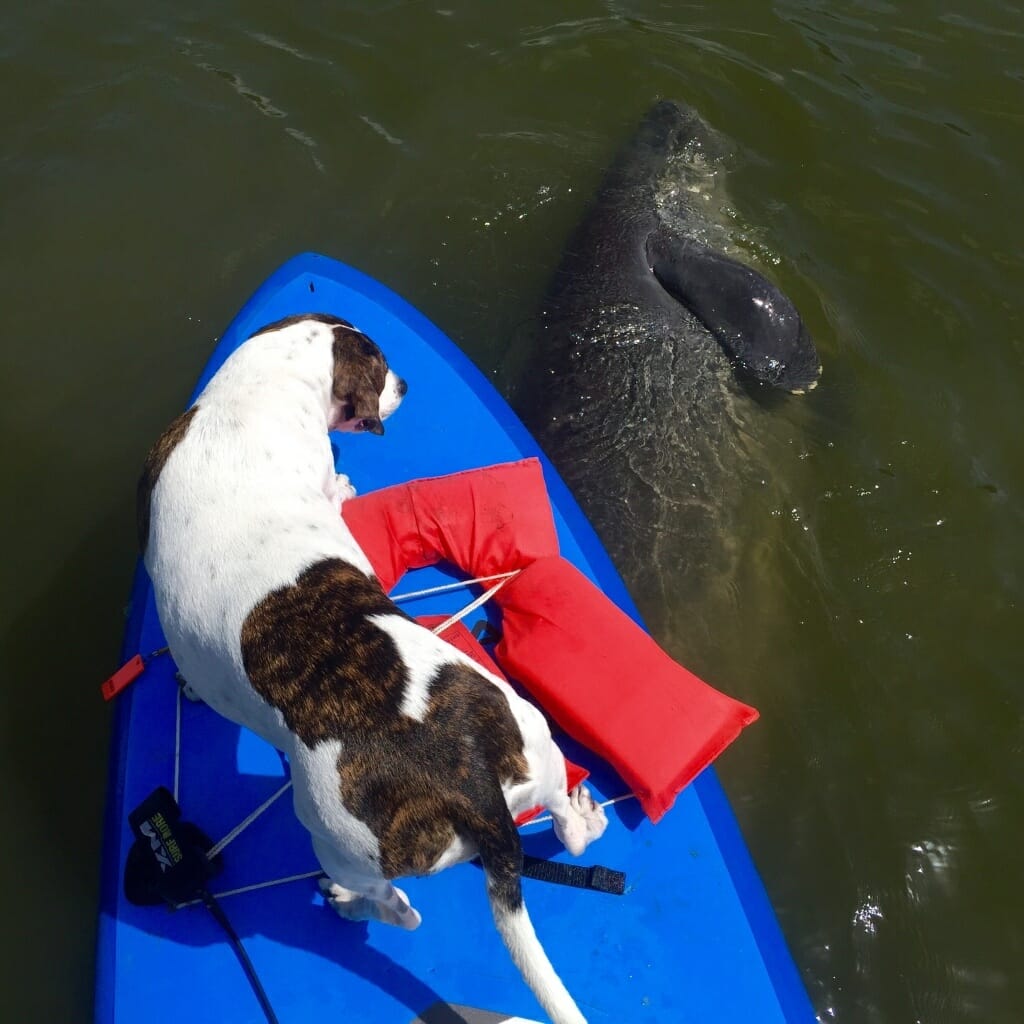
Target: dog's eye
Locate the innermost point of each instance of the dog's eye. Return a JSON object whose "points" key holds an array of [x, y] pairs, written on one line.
{"points": [[367, 347]]}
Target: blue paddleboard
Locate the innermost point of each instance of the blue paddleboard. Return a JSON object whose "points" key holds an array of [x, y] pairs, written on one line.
{"points": [[693, 938]]}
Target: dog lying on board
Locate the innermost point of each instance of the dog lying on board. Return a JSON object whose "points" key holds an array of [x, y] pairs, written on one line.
{"points": [[406, 757]]}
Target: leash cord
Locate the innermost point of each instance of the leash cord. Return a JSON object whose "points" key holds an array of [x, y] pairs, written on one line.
{"points": [[243, 958]]}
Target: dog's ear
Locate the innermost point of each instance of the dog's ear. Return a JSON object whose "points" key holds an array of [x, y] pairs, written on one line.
{"points": [[360, 371]]}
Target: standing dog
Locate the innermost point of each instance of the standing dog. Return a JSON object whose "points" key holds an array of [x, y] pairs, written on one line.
{"points": [[406, 757]]}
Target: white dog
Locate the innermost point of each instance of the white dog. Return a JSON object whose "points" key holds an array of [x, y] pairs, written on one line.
{"points": [[406, 756]]}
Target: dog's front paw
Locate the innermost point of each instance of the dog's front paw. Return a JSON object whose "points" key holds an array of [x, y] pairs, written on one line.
{"points": [[343, 489]]}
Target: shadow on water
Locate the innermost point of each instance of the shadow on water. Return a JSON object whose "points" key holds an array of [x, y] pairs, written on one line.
{"points": [[54, 730]]}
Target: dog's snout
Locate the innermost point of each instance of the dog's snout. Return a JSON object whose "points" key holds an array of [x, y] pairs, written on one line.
{"points": [[402, 387]]}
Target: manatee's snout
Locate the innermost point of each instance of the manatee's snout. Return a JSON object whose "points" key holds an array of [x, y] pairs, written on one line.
{"points": [[669, 129], [668, 121]]}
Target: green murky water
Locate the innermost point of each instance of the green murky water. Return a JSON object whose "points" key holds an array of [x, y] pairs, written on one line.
{"points": [[160, 160]]}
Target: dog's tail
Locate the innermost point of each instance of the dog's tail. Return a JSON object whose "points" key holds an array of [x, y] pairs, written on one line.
{"points": [[501, 854]]}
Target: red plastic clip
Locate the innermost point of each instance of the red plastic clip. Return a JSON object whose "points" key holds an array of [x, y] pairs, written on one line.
{"points": [[125, 675]]}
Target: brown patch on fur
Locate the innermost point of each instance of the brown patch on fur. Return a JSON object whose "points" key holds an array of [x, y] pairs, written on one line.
{"points": [[153, 466], [311, 651]]}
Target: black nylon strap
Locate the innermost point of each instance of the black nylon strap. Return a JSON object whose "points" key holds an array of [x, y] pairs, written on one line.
{"points": [[598, 878]]}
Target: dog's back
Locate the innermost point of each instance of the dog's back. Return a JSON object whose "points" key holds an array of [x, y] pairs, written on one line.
{"points": [[232, 506]]}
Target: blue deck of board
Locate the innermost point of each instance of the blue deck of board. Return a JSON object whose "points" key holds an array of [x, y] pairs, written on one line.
{"points": [[694, 937]]}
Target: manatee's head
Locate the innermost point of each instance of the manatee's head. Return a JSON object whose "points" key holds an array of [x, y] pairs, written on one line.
{"points": [[669, 133]]}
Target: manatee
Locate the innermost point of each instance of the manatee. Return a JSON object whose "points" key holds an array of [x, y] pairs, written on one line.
{"points": [[656, 347]]}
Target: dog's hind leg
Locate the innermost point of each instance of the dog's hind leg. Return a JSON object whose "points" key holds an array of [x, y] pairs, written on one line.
{"points": [[358, 898], [389, 904], [578, 818]]}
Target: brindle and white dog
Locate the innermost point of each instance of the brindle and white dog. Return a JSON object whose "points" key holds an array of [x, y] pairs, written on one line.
{"points": [[406, 757]]}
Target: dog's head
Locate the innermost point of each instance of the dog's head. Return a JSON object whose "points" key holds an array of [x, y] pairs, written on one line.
{"points": [[365, 391]]}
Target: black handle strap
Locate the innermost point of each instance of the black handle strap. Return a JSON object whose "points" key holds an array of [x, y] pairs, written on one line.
{"points": [[596, 877]]}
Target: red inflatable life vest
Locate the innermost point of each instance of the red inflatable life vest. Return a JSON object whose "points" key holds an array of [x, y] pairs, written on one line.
{"points": [[599, 675]]}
